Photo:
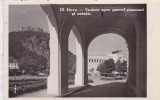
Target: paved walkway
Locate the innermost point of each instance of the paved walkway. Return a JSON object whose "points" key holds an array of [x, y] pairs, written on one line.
{"points": [[39, 93], [100, 88], [114, 89]]}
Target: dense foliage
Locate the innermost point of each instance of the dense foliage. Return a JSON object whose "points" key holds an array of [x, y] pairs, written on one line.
{"points": [[121, 66], [106, 67], [71, 66], [17, 87], [31, 49]]}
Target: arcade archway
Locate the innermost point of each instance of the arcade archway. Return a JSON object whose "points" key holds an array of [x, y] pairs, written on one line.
{"points": [[131, 26], [103, 47]]}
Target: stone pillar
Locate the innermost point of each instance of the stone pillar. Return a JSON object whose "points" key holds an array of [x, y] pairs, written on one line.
{"points": [[53, 80], [85, 55], [132, 70], [141, 59], [131, 82], [63, 64], [79, 76]]}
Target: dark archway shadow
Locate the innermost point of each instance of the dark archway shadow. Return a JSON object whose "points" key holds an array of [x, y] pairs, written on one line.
{"points": [[114, 89]]}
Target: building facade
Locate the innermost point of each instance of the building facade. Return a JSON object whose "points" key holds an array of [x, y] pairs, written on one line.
{"points": [[95, 61], [13, 63]]}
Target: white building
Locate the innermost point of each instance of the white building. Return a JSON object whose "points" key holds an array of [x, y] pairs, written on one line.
{"points": [[94, 61], [13, 63], [116, 56], [30, 28]]}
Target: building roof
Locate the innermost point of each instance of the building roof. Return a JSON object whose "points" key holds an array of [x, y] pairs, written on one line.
{"points": [[98, 57], [115, 52]]}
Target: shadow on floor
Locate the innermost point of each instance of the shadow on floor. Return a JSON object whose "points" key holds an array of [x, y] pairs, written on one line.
{"points": [[115, 89]]}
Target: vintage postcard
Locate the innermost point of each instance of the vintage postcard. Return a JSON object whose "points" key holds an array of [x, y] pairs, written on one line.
{"points": [[92, 49]]}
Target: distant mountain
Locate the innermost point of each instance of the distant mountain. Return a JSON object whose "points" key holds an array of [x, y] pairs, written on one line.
{"points": [[31, 44]]}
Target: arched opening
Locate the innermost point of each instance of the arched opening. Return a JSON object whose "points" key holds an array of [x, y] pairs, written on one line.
{"points": [[75, 59], [108, 59], [36, 26]]}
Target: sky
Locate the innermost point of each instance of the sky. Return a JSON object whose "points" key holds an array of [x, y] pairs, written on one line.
{"points": [[33, 15], [106, 43], [111, 42], [26, 15]]}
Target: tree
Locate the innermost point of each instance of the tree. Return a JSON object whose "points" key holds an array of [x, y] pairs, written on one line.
{"points": [[31, 49], [29, 64], [106, 67], [91, 70], [71, 65], [121, 66]]}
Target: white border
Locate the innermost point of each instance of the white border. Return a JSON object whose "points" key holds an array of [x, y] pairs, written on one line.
{"points": [[1, 51], [153, 43]]}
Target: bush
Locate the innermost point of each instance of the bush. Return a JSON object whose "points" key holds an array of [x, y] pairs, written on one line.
{"points": [[107, 78], [71, 81], [121, 67], [106, 67], [90, 81], [26, 86]]}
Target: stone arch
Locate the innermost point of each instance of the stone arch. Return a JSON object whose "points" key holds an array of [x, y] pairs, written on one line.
{"points": [[119, 32], [139, 88], [64, 25], [106, 31]]}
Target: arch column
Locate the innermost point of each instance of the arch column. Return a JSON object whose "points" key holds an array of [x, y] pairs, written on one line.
{"points": [[141, 58], [80, 71], [63, 64], [57, 81], [79, 76], [85, 54], [53, 84]]}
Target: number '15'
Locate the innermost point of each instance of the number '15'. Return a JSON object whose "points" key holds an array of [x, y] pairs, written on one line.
{"points": [[61, 9]]}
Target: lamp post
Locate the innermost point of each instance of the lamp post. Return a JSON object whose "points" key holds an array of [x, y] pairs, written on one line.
{"points": [[16, 67]]}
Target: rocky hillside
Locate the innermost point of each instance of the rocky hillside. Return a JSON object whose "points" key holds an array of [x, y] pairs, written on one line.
{"points": [[31, 49]]}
